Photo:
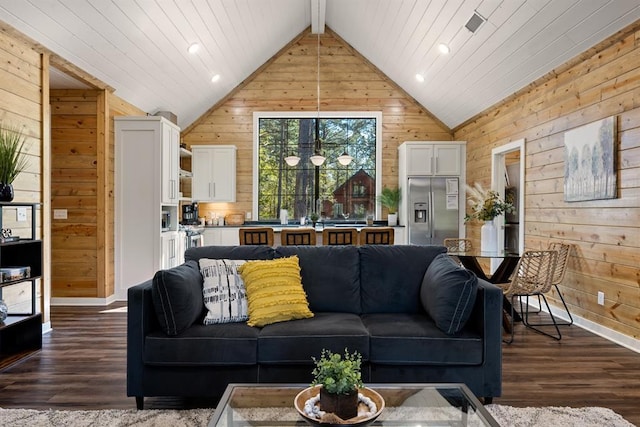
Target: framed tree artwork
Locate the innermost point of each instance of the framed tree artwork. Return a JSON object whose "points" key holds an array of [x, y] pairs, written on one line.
{"points": [[589, 161]]}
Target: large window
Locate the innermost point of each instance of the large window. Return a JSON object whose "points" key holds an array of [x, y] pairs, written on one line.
{"points": [[332, 190]]}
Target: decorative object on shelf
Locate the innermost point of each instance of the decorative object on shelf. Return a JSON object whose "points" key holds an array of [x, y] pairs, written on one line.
{"points": [[4, 311], [486, 205], [340, 378], [9, 274], [5, 236], [12, 159], [390, 199]]}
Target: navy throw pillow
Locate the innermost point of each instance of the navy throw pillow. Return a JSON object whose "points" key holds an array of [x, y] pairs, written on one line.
{"points": [[448, 294], [177, 297]]}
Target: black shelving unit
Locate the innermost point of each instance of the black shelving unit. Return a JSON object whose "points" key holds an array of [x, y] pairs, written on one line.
{"points": [[21, 333]]}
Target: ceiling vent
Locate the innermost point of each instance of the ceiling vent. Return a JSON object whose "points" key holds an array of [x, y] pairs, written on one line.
{"points": [[474, 22]]}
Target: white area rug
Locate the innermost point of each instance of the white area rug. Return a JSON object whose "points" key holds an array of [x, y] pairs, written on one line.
{"points": [[507, 416]]}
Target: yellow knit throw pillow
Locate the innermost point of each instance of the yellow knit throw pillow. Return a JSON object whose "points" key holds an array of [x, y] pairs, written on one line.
{"points": [[274, 291]]}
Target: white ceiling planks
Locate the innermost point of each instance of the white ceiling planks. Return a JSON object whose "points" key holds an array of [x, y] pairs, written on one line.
{"points": [[139, 47]]}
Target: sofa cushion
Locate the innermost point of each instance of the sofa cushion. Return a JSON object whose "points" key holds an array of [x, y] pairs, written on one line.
{"points": [[410, 339], [448, 293], [330, 276], [274, 291], [229, 252], [298, 341], [223, 290], [391, 276], [225, 344], [177, 297]]}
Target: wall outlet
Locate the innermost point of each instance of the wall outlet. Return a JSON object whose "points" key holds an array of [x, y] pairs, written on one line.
{"points": [[600, 297], [21, 214], [59, 214], [247, 216]]}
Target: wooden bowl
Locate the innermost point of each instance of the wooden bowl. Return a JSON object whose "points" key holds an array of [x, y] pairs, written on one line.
{"points": [[360, 420]]}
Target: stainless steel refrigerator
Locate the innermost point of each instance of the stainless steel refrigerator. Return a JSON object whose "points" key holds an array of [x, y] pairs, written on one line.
{"points": [[432, 210]]}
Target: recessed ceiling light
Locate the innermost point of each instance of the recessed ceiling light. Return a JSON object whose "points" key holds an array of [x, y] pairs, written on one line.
{"points": [[215, 78], [443, 48], [420, 78], [193, 48]]}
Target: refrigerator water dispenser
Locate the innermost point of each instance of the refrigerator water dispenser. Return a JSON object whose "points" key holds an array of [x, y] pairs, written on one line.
{"points": [[420, 212]]}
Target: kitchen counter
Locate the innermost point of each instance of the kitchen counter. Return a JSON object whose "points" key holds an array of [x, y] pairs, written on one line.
{"points": [[228, 234]]}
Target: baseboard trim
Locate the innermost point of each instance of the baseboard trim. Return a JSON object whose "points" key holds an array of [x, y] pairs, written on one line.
{"points": [[84, 301], [603, 331]]}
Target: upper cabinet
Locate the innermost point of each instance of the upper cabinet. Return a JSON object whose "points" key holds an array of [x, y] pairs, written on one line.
{"points": [[214, 173], [431, 158], [170, 163]]}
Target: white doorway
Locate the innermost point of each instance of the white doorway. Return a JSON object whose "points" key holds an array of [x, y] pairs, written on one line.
{"points": [[507, 176]]}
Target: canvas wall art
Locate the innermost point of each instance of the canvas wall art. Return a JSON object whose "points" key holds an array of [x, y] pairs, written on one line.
{"points": [[589, 161]]}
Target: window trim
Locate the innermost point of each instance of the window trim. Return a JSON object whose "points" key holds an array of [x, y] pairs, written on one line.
{"points": [[257, 115]]}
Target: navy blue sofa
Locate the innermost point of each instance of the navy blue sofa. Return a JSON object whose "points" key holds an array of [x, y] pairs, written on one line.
{"points": [[376, 300]]}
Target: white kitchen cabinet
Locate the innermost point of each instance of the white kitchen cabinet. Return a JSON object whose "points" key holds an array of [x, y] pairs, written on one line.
{"points": [[221, 236], [422, 158], [170, 163], [214, 173], [146, 154], [170, 249]]}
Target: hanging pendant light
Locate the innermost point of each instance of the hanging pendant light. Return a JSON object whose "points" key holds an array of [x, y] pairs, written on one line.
{"points": [[292, 159], [345, 159], [318, 159]]}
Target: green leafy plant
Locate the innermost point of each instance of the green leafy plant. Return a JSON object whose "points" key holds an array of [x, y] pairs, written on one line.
{"points": [[338, 374], [390, 199], [314, 217], [12, 159], [486, 204]]}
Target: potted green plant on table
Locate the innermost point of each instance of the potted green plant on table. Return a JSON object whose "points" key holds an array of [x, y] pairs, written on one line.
{"points": [[486, 205], [390, 199], [12, 160], [340, 378]]}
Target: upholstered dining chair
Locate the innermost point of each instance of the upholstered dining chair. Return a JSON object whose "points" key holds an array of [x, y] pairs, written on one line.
{"points": [[298, 236], [256, 236], [377, 236], [339, 236], [533, 277]]}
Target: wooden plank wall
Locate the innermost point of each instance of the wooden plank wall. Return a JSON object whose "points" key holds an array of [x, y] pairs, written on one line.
{"points": [[288, 82], [74, 159], [21, 106], [602, 82]]}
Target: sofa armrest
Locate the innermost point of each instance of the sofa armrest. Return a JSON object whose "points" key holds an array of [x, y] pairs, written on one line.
{"points": [[487, 318], [141, 320]]}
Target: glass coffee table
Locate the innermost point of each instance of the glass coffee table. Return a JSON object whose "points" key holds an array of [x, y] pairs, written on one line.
{"points": [[271, 405]]}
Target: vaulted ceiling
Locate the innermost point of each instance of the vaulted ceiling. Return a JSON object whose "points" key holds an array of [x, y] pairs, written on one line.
{"points": [[139, 47]]}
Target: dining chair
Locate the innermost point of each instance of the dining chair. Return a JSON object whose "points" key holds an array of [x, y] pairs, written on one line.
{"points": [[457, 245], [256, 236], [533, 277], [339, 236], [376, 236], [298, 236]]}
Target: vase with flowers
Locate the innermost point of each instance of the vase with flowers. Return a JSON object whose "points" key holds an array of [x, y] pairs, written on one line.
{"points": [[486, 205]]}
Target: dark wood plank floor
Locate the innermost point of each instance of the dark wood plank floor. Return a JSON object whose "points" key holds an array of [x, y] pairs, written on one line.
{"points": [[83, 366]]}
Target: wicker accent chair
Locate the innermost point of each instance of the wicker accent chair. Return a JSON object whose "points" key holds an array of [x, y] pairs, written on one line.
{"points": [[256, 236], [298, 236], [340, 236], [533, 277], [564, 253], [377, 236], [458, 245]]}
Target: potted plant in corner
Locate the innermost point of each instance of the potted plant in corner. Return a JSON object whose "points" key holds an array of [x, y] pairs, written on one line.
{"points": [[12, 160], [340, 378], [390, 199]]}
